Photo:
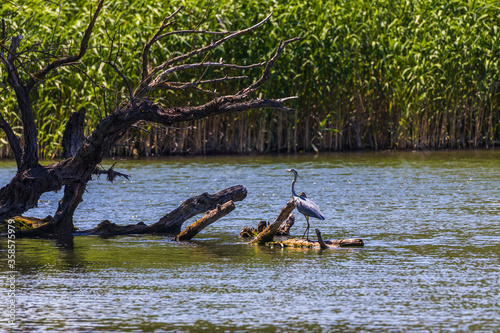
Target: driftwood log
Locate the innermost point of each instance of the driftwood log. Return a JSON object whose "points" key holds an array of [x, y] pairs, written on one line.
{"points": [[173, 221], [330, 244], [216, 205], [209, 218]]}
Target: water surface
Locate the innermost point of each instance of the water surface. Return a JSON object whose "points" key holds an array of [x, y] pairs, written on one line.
{"points": [[430, 222]]}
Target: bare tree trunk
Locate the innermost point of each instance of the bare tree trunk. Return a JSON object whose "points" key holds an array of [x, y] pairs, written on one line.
{"points": [[73, 138], [63, 218]]}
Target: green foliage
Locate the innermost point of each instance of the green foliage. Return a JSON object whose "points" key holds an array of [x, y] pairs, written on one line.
{"points": [[380, 74]]}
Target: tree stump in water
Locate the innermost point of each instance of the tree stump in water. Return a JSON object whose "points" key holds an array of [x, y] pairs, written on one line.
{"points": [[284, 229], [267, 235]]}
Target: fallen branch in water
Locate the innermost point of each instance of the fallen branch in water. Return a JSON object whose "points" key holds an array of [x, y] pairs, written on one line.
{"points": [[267, 235], [209, 218], [331, 244], [173, 221]]}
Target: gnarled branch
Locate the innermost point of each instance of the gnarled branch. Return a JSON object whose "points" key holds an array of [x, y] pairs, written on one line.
{"points": [[33, 179], [155, 38], [37, 77], [12, 139], [185, 85], [142, 88], [157, 83], [267, 71]]}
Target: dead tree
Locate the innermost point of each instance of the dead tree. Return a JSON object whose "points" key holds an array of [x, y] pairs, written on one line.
{"points": [[83, 154]]}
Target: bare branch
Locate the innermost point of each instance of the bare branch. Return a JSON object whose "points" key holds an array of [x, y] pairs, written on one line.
{"points": [[110, 173], [163, 75], [70, 59], [131, 94], [12, 139], [13, 47], [211, 46], [147, 46], [74, 65], [256, 103], [184, 32], [28, 155], [141, 89], [281, 100], [4, 32], [13, 77], [184, 85], [267, 70]]}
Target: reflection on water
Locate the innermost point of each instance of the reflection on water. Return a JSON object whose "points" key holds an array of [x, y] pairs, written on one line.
{"points": [[430, 222]]}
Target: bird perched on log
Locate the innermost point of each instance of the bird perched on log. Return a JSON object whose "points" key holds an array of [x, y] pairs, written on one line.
{"points": [[305, 206]]}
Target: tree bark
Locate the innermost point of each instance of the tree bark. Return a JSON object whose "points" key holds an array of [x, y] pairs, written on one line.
{"points": [[209, 218], [267, 235], [63, 218], [73, 138], [283, 230]]}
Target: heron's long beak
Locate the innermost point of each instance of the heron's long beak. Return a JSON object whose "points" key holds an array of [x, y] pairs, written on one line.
{"points": [[289, 170]]}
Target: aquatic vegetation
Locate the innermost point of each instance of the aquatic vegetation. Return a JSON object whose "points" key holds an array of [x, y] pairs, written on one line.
{"points": [[388, 74]]}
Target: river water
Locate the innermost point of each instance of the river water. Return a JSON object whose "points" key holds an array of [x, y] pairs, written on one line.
{"points": [[431, 262]]}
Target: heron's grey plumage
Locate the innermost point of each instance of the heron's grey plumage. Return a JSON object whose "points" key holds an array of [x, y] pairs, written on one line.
{"points": [[307, 207], [304, 205]]}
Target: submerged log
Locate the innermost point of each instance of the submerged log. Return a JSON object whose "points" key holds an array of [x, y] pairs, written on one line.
{"points": [[247, 232], [107, 229], [209, 218], [267, 235], [25, 224], [331, 244]]}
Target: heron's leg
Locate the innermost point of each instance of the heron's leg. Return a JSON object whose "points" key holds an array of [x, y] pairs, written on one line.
{"points": [[307, 228]]}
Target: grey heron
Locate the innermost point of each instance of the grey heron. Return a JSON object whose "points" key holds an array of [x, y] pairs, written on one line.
{"points": [[305, 206]]}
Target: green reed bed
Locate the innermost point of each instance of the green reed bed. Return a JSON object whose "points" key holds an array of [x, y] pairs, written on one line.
{"points": [[369, 74]]}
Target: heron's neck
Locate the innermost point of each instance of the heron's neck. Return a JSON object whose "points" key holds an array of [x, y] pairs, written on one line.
{"points": [[293, 185]]}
